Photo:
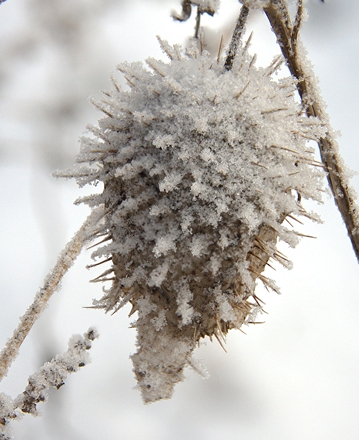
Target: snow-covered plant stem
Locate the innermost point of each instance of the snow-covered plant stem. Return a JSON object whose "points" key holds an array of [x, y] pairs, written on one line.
{"points": [[287, 37], [65, 261], [52, 374]]}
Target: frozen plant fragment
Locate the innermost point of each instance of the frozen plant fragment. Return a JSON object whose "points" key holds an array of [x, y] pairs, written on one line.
{"points": [[51, 374], [204, 6], [200, 167]]}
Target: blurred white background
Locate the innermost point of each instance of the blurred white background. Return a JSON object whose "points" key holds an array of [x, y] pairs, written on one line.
{"points": [[294, 377]]}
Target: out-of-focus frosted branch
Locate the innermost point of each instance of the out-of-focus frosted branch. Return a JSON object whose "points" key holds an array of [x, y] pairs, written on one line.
{"points": [[287, 38], [203, 7], [52, 374], [64, 262]]}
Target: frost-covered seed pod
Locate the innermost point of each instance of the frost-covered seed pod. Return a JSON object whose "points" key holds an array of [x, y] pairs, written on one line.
{"points": [[200, 166]]}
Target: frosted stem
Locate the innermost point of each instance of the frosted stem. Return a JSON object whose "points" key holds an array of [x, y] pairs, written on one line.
{"points": [[278, 16], [51, 374], [237, 34], [65, 261]]}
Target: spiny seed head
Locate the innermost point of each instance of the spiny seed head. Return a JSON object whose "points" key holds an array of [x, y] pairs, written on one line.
{"points": [[200, 166]]}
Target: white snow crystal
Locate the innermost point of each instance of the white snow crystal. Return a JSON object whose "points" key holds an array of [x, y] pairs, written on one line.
{"points": [[158, 275], [159, 321], [207, 5], [163, 245], [184, 309]]}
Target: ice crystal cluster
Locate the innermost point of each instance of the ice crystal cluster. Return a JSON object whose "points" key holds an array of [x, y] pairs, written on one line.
{"points": [[200, 167], [210, 6], [255, 4]]}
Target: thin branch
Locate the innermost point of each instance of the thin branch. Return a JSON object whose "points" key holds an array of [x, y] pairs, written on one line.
{"points": [[65, 261], [54, 373], [198, 23], [277, 14], [236, 37], [297, 22], [51, 374]]}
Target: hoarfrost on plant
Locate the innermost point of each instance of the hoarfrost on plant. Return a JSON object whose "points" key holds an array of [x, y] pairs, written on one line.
{"points": [[200, 167]]}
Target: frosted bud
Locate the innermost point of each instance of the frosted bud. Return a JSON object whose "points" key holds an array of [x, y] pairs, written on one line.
{"points": [[200, 166]]}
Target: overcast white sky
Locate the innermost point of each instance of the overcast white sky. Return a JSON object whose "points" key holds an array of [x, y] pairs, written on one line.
{"points": [[294, 377]]}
